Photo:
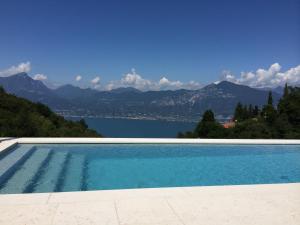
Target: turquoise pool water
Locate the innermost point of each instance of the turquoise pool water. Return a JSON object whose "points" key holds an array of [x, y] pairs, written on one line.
{"points": [[69, 167]]}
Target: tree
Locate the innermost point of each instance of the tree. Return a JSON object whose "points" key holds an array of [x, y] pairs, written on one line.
{"points": [[208, 127], [238, 113], [285, 91], [256, 111], [83, 123], [269, 112], [22, 118], [2, 91], [208, 116], [250, 129], [280, 122], [270, 98], [250, 111], [290, 105]]}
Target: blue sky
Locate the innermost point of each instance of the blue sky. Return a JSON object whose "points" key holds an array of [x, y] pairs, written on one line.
{"points": [[177, 40]]}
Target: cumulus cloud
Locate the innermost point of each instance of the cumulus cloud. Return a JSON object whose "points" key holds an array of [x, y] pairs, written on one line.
{"points": [[271, 77], [40, 77], [78, 78], [165, 84], [133, 79], [96, 83], [22, 67], [96, 80]]}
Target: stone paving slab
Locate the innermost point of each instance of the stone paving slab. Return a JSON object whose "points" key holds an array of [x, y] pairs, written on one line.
{"points": [[271, 204]]}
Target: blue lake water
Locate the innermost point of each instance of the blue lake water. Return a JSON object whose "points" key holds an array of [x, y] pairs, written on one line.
{"points": [[137, 128], [81, 167]]}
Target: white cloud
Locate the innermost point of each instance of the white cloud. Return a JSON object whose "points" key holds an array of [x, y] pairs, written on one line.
{"points": [[96, 80], [272, 77], [192, 85], [78, 78], [22, 67], [40, 77], [226, 75], [164, 81], [165, 84], [96, 83], [133, 79]]}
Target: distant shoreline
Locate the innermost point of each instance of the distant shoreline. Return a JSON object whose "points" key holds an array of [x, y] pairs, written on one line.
{"points": [[142, 118], [132, 118]]}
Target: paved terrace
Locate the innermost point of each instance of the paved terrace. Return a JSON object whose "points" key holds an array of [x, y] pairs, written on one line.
{"points": [[277, 204], [273, 204]]}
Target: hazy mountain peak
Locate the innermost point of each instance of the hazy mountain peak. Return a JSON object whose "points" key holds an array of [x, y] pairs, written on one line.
{"points": [[225, 83], [125, 90], [68, 86], [22, 74]]}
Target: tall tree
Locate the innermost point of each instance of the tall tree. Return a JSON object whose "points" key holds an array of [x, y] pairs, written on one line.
{"points": [[208, 127], [238, 112], [250, 110], [270, 98], [256, 111], [208, 116], [269, 112], [285, 91]]}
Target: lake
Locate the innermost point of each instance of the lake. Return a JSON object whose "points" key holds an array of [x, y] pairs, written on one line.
{"points": [[129, 128]]}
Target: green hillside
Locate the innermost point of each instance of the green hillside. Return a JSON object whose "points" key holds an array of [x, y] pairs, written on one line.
{"points": [[280, 121], [22, 118]]}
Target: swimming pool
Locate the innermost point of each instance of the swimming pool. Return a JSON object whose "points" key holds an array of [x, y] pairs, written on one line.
{"points": [[35, 168]]}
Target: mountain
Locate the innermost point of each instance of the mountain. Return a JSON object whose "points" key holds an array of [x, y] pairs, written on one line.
{"points": [[130, 102], [24, 86], [71, 92], [177, 105], [21, 118], [125, 90], [21, 82], [278, 89]]}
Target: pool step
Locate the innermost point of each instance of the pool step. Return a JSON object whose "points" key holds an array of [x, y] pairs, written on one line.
{"points": [[49, 175], [11, 159], [74, 171], [23, 175]]}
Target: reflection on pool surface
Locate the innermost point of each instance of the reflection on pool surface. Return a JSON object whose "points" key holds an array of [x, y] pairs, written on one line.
{"points": [[77, 167]]}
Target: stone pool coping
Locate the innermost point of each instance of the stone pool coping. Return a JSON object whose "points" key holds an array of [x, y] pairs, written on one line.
{"points": [[10, 142], [273, 204]]}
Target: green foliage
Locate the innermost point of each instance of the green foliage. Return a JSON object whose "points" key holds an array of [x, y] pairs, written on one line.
{"points": [[239, 112], [270, 98], [270, 122], [22, 118], [249, 129], [187, 134], [289, 105], [208, 116], [286, 91], [209, 127], [245, 112]]}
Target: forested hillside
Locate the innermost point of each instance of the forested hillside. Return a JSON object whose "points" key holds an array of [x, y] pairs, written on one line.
{"points": [[271, 121], [22, 118]]}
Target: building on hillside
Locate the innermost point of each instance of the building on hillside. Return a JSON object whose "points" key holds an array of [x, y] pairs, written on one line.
{"points": [[229, 124]]}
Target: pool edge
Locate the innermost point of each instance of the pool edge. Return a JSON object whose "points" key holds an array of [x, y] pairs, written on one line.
{"points": [[154, 141]]}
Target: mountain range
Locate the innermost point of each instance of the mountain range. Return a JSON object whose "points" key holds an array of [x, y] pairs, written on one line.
{"points": [[182, 104]]}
